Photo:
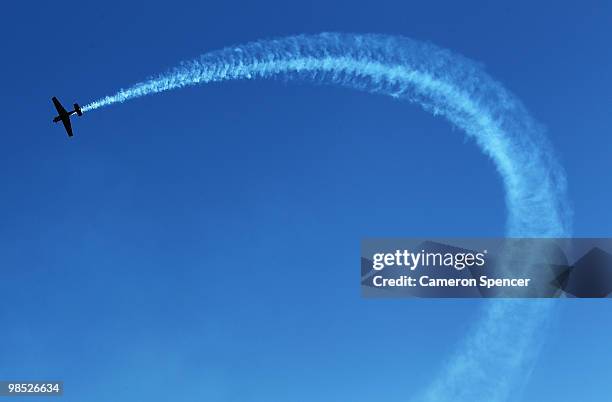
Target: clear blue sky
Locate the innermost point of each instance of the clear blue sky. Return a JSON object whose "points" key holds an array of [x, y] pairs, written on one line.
{"points": [[203, 244]]}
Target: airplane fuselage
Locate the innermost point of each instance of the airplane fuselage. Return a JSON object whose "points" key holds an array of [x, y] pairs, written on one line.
{"points": [[58, 118]]}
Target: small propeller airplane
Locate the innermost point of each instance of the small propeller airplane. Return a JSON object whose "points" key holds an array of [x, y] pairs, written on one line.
{"points": [[64, 116]]}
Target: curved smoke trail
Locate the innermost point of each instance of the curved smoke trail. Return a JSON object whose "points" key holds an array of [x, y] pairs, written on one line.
{"points": [[499, 352]]}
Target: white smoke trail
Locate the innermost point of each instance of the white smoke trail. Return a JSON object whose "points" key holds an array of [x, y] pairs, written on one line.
{"points": [[500, 351]]}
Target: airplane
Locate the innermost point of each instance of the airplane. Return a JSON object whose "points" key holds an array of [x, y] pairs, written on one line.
{"points": [[64, 116]]}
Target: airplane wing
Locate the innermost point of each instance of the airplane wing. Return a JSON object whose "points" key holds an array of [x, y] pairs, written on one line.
{"points": [[59, 107], [67, 125]]}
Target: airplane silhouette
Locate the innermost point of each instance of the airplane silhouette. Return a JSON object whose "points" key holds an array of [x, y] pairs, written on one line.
{"points": [[64, 115]]}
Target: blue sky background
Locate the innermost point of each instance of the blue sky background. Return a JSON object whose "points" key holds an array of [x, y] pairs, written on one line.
{"points": [[203, 244]]}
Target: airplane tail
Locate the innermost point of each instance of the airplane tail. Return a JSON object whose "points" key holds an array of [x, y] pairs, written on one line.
{"points": [[78, 110]]}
